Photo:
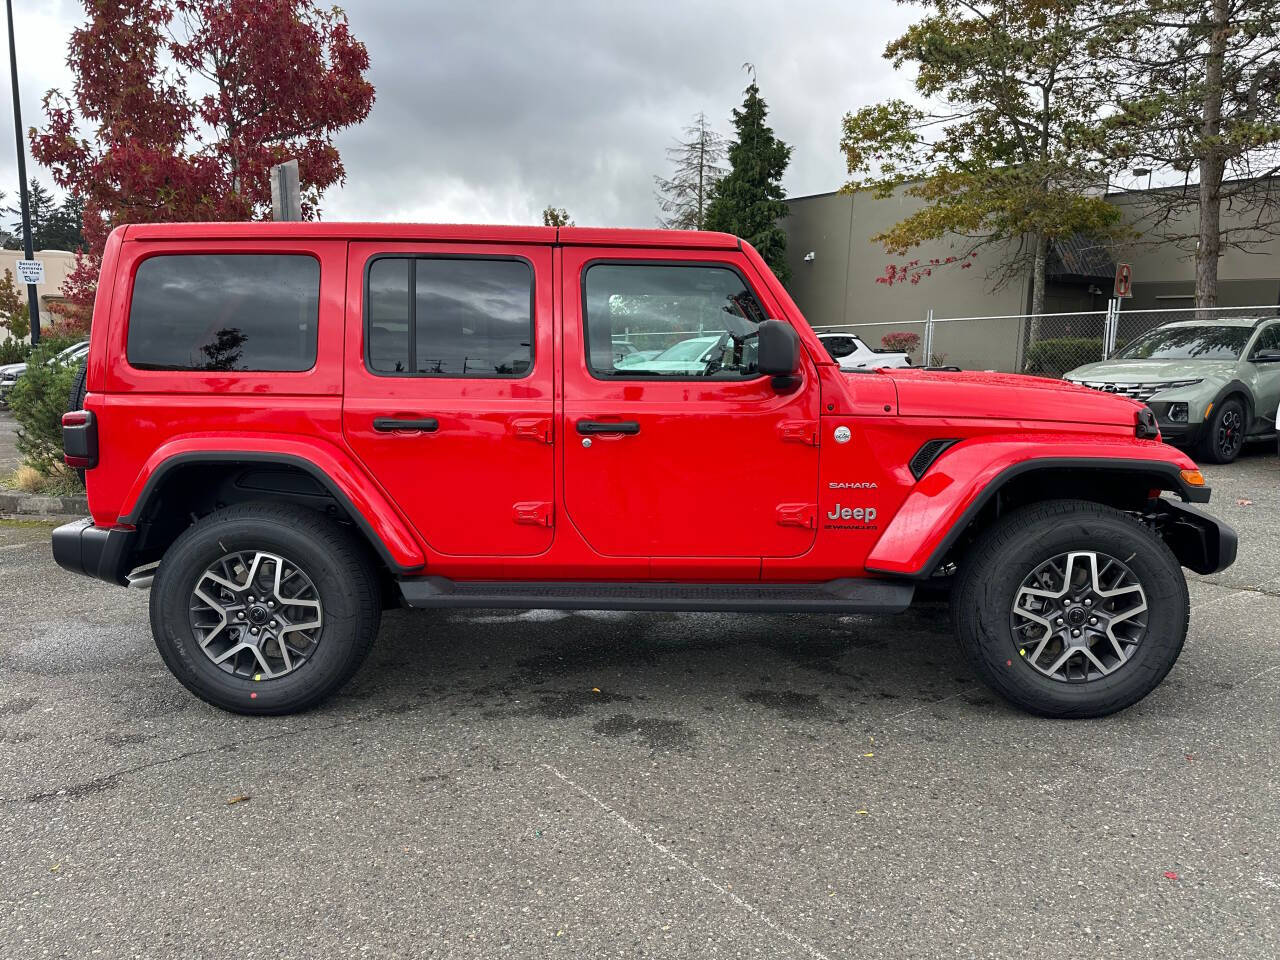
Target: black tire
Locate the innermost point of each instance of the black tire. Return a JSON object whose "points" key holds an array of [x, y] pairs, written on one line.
{"points": [[338, 565], [79, 389], [994, 570], [1224, 433]]}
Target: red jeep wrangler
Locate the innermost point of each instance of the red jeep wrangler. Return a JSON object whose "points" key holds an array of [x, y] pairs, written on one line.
{"points": [[286, 428]]}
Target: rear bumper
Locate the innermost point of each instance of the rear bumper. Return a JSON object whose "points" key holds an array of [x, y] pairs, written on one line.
{"points": [[102, 552], [1201, 542]]}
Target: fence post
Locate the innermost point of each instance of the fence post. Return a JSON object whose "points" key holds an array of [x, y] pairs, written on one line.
{"points": [[928, 339]]}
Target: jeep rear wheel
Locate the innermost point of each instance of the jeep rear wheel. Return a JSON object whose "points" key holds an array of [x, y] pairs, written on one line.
{"points": [[264, 608], [1071, 609]]}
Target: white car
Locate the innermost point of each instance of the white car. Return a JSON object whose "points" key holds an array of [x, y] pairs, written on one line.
{"points": [[848, 350]]}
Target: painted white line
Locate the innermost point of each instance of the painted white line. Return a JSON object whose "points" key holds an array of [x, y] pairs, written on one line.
{"points": [[931, 703], [672, 855]]}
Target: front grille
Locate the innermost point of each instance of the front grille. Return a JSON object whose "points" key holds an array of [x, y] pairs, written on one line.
{"points": [[1141, 392]]}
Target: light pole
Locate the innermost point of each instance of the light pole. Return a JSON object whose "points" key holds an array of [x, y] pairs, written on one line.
{"points": [[33, 301]]}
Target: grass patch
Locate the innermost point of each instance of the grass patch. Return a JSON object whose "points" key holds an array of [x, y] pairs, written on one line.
{"points": [[60, 481]]}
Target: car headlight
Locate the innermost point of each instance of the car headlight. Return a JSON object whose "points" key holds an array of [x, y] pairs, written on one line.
{"points": [[1177, 413]]}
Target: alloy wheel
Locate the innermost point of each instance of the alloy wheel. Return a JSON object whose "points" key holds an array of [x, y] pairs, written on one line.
{"points": [[256, 614], [1230, 433], [1079, 616]]}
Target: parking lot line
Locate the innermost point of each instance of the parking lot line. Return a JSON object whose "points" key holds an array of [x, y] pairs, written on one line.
{"points": [[687, 865]]}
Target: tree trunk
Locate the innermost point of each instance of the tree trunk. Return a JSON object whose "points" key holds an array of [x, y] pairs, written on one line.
{"points": [[1212, 165], [1037, 284]]}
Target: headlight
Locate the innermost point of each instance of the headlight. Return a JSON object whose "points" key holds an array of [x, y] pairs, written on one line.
{"points": [[1177, 413]]}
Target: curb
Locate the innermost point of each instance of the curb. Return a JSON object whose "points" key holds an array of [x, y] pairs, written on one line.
{"points": [[16, 503]]}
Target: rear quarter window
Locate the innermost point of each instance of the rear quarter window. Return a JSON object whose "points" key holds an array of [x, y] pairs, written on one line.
{"points": [[231, 312]]}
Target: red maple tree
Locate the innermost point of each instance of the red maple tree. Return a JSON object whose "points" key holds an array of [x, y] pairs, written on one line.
{"points": [[178, 109]]}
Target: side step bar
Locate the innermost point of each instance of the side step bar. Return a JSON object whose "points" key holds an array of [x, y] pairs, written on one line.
{"points": [[833, 596]]}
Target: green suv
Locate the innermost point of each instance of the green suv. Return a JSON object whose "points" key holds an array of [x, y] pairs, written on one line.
{"points": [[1212, 383]]}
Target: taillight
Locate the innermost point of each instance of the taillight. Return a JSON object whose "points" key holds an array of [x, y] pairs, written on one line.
{"points": [[80, 439]]}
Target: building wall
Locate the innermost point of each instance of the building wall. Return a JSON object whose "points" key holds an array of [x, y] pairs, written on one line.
{"points": [[1165, 275], [838, 286]]}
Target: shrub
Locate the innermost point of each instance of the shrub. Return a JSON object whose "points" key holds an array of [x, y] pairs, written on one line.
{"points": [[13, 350], [900, 342], [1053, 358], [38, 401]]}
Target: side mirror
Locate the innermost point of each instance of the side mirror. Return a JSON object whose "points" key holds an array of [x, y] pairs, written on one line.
{"points": [[1267, 356], [779, 352]]}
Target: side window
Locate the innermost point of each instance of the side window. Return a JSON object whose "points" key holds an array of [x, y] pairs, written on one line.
{"points": [[646, 320], [238, 311], [838, 346], [449, 317], [1269, 339]]}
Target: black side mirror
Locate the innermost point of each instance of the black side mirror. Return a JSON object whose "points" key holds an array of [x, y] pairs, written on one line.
{"points": [[779, 352], [1267, 356]]}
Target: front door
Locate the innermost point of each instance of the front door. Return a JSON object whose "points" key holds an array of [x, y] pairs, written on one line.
{"points": [[674, 445], [449, 390]]}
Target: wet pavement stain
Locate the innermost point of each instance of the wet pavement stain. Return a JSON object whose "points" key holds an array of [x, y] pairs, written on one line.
{"points": [[572, 703], [657, 733], [792, 705]]}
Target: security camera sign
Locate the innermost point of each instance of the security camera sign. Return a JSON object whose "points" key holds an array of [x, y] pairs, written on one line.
{"points": [[31, 271]]}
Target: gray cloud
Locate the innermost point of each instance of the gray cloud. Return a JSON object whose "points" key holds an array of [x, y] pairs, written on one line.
{"points": [[488, 111]]}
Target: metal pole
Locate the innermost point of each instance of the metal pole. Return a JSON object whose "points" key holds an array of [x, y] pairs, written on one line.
{"points": [[33, 301], [928, 339]]}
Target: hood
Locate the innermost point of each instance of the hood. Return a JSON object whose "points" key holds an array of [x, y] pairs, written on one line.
{"points": [[1005, 396], [1153, 371]]}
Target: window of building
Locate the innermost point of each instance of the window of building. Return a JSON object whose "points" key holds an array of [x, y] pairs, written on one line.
{"points": [[464, 317], [645, 321], [207, 312]]}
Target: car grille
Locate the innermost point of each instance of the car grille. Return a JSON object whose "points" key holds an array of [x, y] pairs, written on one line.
{"points": [[1136, 391]]}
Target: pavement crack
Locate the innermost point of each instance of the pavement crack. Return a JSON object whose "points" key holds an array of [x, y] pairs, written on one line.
{"points": [[111, 780]]}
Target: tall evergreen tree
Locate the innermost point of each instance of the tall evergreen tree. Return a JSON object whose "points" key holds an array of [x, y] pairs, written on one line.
{"points": [[697, 166], [1199, 97], [748, 200]]}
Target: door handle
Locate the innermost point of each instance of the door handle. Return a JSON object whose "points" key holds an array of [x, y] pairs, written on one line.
{"points": [[387, 424], [589, 427]]}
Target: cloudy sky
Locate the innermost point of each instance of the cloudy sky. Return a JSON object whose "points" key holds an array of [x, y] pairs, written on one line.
{"points": [[487, 111]]}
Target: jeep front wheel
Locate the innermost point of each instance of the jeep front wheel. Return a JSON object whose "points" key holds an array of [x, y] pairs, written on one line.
{"points": [[264, 608], [1071, 609]]}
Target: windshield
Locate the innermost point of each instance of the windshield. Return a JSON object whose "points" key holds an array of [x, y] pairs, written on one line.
{"points": [[1188, 343], [688, 350]]}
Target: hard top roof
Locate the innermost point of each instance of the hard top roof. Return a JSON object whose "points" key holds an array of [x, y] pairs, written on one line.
{"points": [[432, 232]]}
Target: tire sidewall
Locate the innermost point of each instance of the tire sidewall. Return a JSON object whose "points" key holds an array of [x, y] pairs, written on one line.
{"points": [[177, 576], [1156, 570], [1209, 450]]}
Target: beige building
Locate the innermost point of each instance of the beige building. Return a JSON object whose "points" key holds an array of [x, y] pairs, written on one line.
{"points": [[835, 266]]}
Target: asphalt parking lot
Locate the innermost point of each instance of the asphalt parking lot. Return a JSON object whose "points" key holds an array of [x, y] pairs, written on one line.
{"points": [[621, 785]]}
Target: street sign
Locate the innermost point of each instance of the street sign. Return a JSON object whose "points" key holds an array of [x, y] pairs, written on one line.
{"points": [[1124, 280], [31, 271]]}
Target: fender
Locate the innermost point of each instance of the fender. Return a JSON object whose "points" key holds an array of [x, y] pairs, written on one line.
{"points": [[332, 468], [1246, 393], [969, 474]]}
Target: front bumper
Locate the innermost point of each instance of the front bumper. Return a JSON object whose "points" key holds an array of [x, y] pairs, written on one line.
{"points": [[1201, 542], [102, 552]]}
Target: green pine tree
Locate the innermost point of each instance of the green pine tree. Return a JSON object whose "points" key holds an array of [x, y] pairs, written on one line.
{"points": [[748, 201]]}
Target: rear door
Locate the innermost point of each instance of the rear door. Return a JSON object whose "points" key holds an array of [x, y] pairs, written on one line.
{"points": [[449, 389]]}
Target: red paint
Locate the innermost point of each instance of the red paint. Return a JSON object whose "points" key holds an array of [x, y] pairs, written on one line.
{"points": [[726, 480]]}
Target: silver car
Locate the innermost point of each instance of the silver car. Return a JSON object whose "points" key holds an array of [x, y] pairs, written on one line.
{"points": [[1212, 383]]}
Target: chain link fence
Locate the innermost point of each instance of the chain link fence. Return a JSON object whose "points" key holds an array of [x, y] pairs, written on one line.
{"points": [[1047, 345]]}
